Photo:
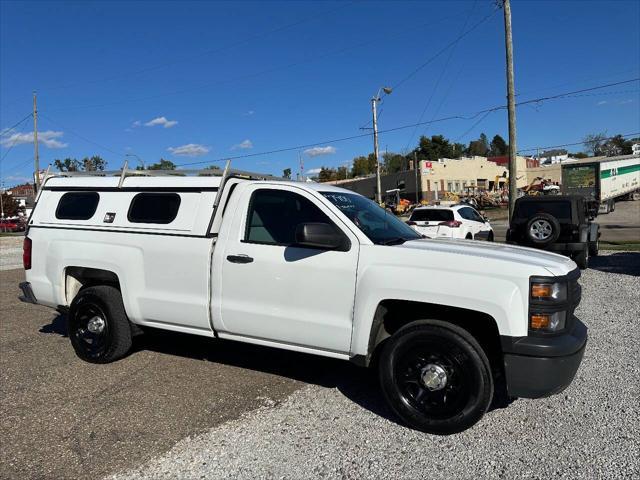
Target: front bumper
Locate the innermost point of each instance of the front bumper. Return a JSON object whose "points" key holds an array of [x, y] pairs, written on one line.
{"points": [[541, 366], [27, 293]]}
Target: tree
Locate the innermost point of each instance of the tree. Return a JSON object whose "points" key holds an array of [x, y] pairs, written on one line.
{"points": [[87, 164], [9, 205], [479, 147], [434, 148], [578, 155], [498, 147], [363, 165], [327, 174], [212, 167], [593, 143], [163, 165], [394, 162], [342, 173], [286, 173]]}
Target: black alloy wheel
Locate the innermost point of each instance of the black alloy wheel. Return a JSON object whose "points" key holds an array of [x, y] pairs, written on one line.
{"points": [[436, 377], [99, 329]]}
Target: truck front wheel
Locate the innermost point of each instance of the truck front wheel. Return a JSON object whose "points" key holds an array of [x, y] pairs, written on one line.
{"points": [[99, 329], [436, 377]]}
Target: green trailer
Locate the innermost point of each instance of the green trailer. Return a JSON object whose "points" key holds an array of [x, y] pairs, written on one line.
{"points": [[603, 181]]}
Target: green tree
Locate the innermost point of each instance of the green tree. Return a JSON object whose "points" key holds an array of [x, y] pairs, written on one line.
{"points": [[162, 165], [87, 164], [498, 147], [342, 173], [479, 147], [394, 162], [286, 173], [9, 205], [363, 165], [434, 148]]}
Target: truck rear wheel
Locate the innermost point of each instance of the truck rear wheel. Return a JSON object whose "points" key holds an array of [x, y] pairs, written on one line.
{"points": [[436, 377], [99, 329]]}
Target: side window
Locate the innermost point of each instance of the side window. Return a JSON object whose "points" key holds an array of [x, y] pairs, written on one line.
{"points": [[464, 213], [154, 208], [274, 215], [476, 216], [77, 205]]}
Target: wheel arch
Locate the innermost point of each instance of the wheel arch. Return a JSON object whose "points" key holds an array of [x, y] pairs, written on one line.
{"points": [[76, 278], [392, 314]]}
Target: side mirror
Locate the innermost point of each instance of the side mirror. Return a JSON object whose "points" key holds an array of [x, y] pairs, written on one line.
{"points": [[321, 235]]}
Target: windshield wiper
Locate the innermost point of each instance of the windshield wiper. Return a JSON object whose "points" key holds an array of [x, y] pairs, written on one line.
{"points": [[393, 241]]}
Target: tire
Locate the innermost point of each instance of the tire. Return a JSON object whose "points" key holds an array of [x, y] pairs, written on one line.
{"points": [[103, 340], [594, 248], [582, 258], [433, 348], [468, 237], [542, 229], [490, 237]]}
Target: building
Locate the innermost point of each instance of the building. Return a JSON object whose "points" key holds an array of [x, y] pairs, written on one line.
{"points": [[434, 179], [25, 195], [635, 149]]}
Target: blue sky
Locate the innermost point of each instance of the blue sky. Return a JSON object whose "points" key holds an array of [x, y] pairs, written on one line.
{"points": [[201, 81]]}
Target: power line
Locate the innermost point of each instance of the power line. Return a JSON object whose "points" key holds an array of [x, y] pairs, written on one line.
{"points": [[444, 49], [6, 130], [15, 140], [251, 75], [403, 127], [207, 52], [576, 143], [80, 136], [470, 129], [442, 72]]}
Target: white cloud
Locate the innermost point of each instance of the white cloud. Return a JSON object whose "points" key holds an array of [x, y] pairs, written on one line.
{"points": [[48, 138], [189, 150], [602, 102], [244, 145], [317, 151], [248, 113], [625, 102], [161, 121], [17, 179], [313, 171], [137, 123]]}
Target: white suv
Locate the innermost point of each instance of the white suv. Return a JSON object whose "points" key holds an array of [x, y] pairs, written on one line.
{"points": [[456, 221]]}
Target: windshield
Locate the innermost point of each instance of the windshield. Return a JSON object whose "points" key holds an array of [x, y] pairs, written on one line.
{"points": [[382, 227]]}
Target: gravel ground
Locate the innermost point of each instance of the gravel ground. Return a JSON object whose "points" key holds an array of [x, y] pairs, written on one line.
{"points": [[11, 252], [592, 430]]}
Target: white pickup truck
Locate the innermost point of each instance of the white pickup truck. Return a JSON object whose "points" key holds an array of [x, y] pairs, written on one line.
{"points": [[306, 267]]}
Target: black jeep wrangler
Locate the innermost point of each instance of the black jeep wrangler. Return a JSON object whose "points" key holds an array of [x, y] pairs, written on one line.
{"points": [[559, 223]]}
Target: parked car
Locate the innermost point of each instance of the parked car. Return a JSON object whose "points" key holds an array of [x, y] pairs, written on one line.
{"points": [[7, 225], [307, 267], [457, 221], [561, 224]]}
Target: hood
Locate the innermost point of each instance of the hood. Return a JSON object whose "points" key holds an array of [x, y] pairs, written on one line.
{"points": [[552, 262]]}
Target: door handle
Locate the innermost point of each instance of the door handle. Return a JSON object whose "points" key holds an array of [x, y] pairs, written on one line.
{"points": [[239, 258]]}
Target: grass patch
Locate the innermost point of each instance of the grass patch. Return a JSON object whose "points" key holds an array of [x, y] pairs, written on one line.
{"points": [[628, 246]]}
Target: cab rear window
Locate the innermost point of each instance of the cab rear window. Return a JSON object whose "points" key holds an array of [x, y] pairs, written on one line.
{"points": [[77, 206], [431, 215]]}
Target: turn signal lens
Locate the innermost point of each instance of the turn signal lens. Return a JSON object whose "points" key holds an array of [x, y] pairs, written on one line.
{"points": [[540, 321], [550, 322], [549, 291], [541, 290]]}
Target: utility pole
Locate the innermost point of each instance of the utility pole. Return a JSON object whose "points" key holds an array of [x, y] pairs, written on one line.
{"points": [[416, 166], [301, 161], [374, 102], [511, 101], [36, 157]]}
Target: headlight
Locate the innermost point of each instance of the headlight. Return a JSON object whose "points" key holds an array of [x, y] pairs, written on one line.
{"points": [[547, 322], [549, 291]]}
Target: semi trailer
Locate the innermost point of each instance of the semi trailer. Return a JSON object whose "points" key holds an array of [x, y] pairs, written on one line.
{"points": [[603, 181]]}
